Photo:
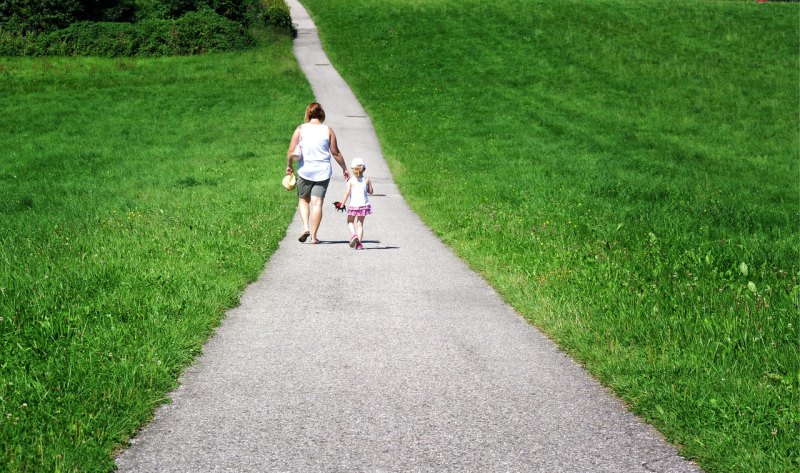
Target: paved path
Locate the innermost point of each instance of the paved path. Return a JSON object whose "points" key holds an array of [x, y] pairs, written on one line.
{"points": [[396, 358]]}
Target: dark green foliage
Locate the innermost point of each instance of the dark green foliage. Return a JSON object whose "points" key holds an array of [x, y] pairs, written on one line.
{"points": [[134, 27], [241, 11], [234, 9], [276, 14], [35, 16], [108, 10], [175, 8], [193, 33], [199, 32], [38, 15]]}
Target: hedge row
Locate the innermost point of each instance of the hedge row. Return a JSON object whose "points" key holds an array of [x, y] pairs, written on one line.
{"points": [[44, 16], [193, 33]]}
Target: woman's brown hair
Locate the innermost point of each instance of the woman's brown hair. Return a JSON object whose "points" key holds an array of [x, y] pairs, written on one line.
{"points": [[314, 110]]}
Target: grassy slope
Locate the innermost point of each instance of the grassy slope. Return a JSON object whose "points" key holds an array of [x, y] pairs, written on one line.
{"points": [[137, 198], [625, 173]]}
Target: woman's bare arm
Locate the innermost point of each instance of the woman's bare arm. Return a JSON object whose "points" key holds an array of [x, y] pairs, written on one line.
{"points": [[337, 154], [292, 145]]}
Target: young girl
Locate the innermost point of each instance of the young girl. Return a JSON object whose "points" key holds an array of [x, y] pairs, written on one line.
{"points": [[358, 188]]}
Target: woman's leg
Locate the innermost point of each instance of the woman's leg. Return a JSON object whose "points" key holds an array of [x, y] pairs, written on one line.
{"points": [[316, 215], [302, 206]]}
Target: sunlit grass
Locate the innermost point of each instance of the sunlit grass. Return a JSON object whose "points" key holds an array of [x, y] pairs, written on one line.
{"points": [[625, 173], [138, 197]]}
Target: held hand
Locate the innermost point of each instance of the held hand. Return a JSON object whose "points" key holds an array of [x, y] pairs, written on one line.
{"points": [[346, 175], [339, 206], [289, 170]]}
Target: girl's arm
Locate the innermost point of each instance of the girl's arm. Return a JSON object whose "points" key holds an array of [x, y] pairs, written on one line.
{"points": [[369, 186], [292, 146], [346, 192]]}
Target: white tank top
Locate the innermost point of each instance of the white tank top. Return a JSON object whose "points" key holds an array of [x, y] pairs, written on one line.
{"points": [[358, 192], [315, 153]]}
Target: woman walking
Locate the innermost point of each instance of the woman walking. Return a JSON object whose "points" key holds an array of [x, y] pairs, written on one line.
{"points": [[314, 144]]}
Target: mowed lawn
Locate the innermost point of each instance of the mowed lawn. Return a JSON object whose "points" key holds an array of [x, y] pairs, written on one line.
{"points": [[138, 197], [625, 173]]}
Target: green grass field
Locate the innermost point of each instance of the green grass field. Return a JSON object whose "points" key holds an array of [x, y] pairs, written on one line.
{"points": [[138, 197], [625, 173]]}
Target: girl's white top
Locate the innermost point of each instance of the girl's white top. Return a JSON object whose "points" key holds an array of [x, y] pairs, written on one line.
{"points": [[358, 192], [315, 153]]}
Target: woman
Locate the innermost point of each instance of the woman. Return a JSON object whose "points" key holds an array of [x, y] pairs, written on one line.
{"points": [[315, 144]]}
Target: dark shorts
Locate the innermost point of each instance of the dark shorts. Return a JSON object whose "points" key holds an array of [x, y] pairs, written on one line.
{"points": [[307, 189]]}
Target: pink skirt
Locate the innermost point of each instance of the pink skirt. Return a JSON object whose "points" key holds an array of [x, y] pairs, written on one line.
{"points": [[362, 211]]}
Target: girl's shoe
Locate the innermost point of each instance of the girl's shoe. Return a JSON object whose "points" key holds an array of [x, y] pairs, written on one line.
{"points": [[359, 246], [354, 241]]}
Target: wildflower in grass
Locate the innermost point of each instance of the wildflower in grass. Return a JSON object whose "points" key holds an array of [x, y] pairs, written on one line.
{"points": [[752, 286], [743, 268]]}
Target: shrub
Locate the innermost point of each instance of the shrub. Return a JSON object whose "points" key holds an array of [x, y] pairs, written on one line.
{"points": [[240, 11], [276, 14], [193, 33], [93, 39], [12, 44], [36, 16], [108, 10], [156, 38], [215, 25], [174, 9], [19, 16], [205, 31], [235, 10]]}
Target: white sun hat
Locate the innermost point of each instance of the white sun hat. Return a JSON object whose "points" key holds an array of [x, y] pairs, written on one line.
{"points": [[358, 162], [289, 182]]}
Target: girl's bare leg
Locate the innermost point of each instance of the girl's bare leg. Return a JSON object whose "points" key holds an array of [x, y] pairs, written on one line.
{"points": [[360, 228], [351, 225]]}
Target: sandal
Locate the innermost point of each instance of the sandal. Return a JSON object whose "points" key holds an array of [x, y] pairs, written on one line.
{"points": [[304, 237]]}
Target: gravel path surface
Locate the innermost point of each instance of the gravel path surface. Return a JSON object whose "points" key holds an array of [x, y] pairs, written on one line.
{"points": [[394, 358]]}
